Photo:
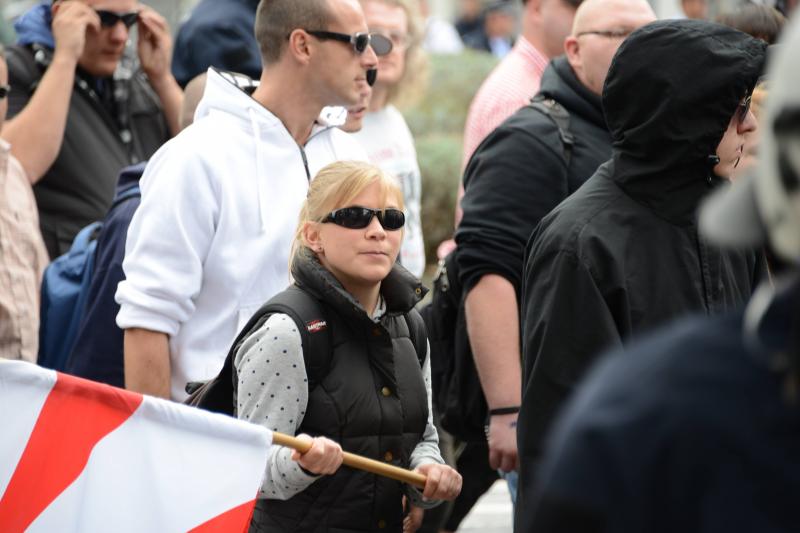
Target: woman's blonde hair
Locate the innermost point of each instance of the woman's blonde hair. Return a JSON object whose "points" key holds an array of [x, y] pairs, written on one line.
{"points": [[335, 186], [411, 87]]}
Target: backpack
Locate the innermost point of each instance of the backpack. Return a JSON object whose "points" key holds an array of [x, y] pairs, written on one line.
{"points": [[457, 393], [65, 289], [308, 313]]}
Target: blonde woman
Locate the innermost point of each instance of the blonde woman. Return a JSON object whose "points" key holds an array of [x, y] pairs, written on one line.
{"points": [[374, 396]]}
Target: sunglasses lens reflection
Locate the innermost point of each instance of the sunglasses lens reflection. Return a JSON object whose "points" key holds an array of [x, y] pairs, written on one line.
{"points": [[360, 217], [361, 42], [393, 219], [381, 44]]}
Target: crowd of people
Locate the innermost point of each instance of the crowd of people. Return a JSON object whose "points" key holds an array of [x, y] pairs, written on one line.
{"points": [[260, 196]]}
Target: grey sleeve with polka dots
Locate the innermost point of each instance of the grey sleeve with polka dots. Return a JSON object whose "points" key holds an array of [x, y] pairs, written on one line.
{"points": [[273, 392]]}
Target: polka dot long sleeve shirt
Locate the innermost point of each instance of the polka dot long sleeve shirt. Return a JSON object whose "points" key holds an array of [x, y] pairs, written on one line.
{"points": [[273, 392]]}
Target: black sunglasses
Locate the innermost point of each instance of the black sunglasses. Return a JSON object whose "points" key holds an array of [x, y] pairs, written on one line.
{"points": [[743, 109], [109, 19], [4, 90], [358, 217], [360, 41]]}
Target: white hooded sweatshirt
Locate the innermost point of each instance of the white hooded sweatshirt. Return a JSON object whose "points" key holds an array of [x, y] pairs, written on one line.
{"points": [[210, 241]]}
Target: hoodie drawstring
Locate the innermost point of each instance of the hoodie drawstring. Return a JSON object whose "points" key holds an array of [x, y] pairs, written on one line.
{"points": [[260, 185]]}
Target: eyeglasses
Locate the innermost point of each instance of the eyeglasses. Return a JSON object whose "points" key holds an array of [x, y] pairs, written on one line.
{"points": [[357, 217], [609, 34], [360, 41], [399, 40], [743, 109], [109, 19], [4, 90]]}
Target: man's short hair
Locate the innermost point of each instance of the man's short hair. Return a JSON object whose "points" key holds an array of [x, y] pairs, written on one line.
{"points": [[276, 19]]}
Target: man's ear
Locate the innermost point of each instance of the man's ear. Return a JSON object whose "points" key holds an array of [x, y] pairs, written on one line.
{"points": [[572, 48], [300, 46]]}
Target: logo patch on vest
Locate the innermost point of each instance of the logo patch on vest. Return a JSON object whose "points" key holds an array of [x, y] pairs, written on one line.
{"points": [[316, 325]]}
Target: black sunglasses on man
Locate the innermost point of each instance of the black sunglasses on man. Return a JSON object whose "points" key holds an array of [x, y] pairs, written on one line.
{"points": [[109, 19]]}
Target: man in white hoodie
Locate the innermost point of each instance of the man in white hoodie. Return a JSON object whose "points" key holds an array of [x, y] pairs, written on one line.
{"points": [[210, 242]]}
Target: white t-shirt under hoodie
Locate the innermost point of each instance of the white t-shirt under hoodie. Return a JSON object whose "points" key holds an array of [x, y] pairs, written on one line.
{"points": [[389, 144]]}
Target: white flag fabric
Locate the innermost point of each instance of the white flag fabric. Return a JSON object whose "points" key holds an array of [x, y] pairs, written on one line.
{"points": [[79, 456]]}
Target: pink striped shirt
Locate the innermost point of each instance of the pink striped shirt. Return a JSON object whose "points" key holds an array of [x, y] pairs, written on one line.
{"points": [[509, 87]]}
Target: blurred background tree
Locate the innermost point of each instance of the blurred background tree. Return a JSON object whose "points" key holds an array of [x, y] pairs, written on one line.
{"points": [[437, 123]]}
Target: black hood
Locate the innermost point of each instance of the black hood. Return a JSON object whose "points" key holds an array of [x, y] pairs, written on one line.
{"points": [[560, 83], [670, 93]]}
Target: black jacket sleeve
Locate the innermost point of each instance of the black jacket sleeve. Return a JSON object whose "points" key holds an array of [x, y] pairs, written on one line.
{"points": [[516, 176]]}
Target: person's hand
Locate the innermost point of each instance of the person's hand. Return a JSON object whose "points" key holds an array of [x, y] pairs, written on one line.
{"points": [[502, 437], [413, 520], [443, 482], [70, 22], [155, 45], [324, 457]]}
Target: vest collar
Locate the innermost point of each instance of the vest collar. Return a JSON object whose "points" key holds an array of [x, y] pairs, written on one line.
{"points": [[400, 290]]}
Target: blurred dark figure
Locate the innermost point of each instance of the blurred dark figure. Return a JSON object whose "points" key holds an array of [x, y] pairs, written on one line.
{"points": [[786, 6], [470, 17], [496, 34], [696, 428], [218, 33], [760, 21]]}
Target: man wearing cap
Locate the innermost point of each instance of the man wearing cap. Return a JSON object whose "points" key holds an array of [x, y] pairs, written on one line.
{"points": [[695, 428], [623, 255], [218, 33]]}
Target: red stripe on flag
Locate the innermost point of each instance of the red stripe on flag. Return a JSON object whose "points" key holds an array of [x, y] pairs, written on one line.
{"points": [[236, 519], [76, 415]]}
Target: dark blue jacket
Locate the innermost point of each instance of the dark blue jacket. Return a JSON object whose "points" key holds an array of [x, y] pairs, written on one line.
{"points": [[97, 354], [693, 429], [218, 33]]}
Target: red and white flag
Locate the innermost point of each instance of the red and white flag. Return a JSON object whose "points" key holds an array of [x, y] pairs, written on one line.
{"points": [[79, 456]]}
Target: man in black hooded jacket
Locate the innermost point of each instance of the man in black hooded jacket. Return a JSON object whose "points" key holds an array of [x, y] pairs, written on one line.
{"points": [[518, 174], [623, 254]]}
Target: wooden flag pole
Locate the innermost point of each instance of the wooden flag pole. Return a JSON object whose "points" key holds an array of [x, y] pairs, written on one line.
{"points": [[356, 461]]}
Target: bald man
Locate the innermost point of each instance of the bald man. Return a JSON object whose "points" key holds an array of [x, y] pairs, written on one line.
{"points": [[518, 174]]}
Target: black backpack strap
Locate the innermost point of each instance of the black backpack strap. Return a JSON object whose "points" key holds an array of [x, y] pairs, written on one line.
{"points": [[418, 334], [219, 394], [560, 117], [315, 334]]}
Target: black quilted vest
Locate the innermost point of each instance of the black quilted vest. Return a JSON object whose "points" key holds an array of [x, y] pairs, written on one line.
{"points": [[372, 401]]}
